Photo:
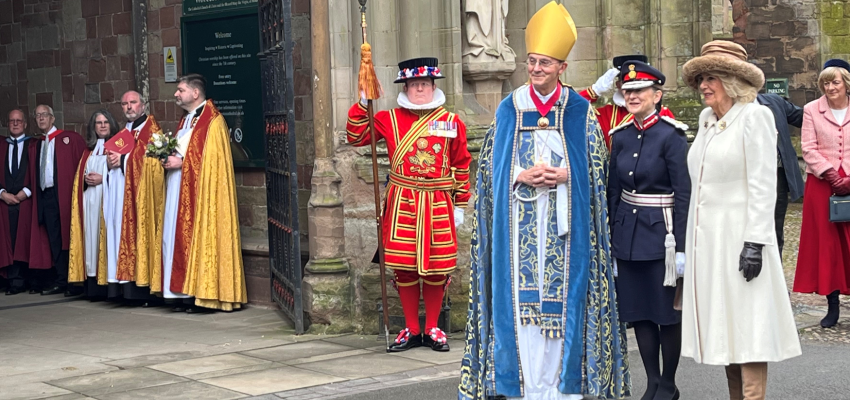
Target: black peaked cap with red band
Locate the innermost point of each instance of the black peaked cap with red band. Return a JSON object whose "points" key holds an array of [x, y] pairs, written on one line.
{"points": [[638, 75]]}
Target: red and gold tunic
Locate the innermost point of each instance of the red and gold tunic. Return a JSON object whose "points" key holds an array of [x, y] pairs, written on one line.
{"points": [[611, 116], [429, 177]]}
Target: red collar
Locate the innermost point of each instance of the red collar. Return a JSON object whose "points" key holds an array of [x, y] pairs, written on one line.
{"points": [[543, 108], [647, 123], [53, 135]]}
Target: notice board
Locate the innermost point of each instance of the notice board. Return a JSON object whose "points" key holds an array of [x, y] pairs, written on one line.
{"points": [[223, 46], [194, 7]]}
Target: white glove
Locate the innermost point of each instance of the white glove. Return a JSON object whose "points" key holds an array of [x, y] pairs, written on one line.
{"points": [[458, 217], [680, 264], [616, 273], [363, 100], [605, 83]]}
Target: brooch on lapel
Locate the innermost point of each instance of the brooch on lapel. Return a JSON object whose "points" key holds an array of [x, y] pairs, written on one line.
{"points": [[66, 140], [722, 125]]}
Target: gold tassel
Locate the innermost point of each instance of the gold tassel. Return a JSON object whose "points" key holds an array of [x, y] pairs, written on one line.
{"points": [[367, 81]]}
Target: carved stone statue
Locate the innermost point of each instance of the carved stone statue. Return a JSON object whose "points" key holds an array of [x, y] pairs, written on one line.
{"points": [[487, 59], [484, 23]]}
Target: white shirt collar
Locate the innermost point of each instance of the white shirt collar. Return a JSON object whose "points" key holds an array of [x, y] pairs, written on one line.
{"points": [[542, 97]]}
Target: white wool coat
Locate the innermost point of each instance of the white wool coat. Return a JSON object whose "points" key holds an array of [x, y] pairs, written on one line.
{"points": [[725, 319]]}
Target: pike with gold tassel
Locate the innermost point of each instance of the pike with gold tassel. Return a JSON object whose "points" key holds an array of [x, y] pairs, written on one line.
{"points": [[370, 88], [427, 192]]}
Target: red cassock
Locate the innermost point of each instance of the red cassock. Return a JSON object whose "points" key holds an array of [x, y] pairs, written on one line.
{"points": [[68, 149], [31, 245], [429, 177], [611, 116]]}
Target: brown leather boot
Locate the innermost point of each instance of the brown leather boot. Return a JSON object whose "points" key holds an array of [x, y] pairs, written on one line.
{"points": [[733, 379], [754, 376]]}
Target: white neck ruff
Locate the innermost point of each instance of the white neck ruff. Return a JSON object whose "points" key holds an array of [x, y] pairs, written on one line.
{"points": [[439, 100]]}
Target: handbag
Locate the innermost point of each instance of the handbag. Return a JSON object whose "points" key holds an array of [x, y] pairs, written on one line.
{"points": [[839, 208]]}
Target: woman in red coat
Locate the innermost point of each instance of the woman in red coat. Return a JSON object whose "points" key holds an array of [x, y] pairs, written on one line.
{"points": [[823, 263]]}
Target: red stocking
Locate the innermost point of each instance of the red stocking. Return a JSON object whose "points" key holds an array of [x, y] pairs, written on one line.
{"points": [[408, 292], [433, 289]]}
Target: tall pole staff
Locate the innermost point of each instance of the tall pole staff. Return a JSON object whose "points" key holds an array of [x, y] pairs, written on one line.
{"points": [[369, 86]]}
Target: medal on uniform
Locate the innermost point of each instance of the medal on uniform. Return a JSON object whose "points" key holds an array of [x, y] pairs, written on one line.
{"points": [[544, 108]]}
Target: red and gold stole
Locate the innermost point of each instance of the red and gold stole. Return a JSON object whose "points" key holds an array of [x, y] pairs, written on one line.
{"points": [[126, 270], [189, 195]]}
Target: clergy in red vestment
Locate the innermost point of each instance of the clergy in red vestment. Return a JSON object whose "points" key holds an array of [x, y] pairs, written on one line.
{"points": [[23, 243], [427, 192], [59, 155], [201, 243], [140, 250], [613, 115]]}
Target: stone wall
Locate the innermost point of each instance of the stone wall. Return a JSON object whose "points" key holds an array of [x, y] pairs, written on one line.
{"points": [[163, 31], [783, 38], [835, 29], [77, 56], [13, 53]]}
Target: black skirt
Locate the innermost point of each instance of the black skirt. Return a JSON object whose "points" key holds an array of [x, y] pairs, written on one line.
{"points": [[641, 294]]}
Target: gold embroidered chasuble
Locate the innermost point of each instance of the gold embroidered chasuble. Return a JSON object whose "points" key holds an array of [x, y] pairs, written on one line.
{"points": [[140, 252], [211, 265]]}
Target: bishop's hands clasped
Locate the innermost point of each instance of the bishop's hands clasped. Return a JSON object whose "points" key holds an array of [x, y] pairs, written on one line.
{"points": [[542, 175]]}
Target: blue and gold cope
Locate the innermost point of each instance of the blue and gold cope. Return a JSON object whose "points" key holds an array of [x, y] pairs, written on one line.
{"points": [[546, 313], [594, 360]]}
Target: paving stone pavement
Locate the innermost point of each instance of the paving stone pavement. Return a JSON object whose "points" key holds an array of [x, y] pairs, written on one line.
{"points": [[71, 349]]}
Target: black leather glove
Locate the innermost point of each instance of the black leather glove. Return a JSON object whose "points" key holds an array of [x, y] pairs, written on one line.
{"points": [[750, 263]]}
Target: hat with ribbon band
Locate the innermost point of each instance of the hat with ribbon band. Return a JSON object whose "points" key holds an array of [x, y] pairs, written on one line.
{"points": [[423, 67]]}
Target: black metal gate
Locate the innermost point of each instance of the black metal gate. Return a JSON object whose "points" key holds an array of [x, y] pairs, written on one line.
{"points": [[281, 179]]}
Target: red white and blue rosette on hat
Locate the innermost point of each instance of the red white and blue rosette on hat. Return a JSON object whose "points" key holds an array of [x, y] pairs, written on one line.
{"points": [[424, 67]]}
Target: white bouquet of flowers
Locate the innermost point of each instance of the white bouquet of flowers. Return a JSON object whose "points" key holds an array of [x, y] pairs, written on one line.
{"points": [[161, 145]]}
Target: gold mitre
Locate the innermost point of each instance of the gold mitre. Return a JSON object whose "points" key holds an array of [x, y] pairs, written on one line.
{"points": [[551, 32]]}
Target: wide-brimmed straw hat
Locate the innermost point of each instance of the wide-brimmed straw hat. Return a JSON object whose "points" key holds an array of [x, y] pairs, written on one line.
{"points": [[722, 56]]}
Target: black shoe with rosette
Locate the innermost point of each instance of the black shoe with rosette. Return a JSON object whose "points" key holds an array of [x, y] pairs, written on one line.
{"points": [[436, 339], [405, 341]]}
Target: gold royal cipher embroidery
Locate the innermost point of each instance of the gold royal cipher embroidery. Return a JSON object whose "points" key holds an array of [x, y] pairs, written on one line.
{"points": [[422, 162]]}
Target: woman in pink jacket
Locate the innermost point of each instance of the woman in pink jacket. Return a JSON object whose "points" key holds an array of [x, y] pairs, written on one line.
{"points": [[823, 263]]}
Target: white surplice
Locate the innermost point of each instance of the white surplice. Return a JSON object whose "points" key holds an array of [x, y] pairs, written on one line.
{"points": [[173, 179], [540, 357], [93, 204], [113, 211]]}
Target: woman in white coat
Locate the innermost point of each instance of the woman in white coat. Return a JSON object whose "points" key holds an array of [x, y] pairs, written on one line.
{"points": [[736, 311]]}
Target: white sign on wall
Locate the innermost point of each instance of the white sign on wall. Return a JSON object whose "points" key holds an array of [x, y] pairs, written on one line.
{"points": [[169, 56]]}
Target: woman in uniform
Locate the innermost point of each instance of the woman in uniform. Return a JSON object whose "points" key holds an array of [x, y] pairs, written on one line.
{"points": [[648, 194]]}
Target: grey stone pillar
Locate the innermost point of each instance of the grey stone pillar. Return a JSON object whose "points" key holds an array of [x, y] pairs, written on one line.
{"points": [[326, 285]]}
